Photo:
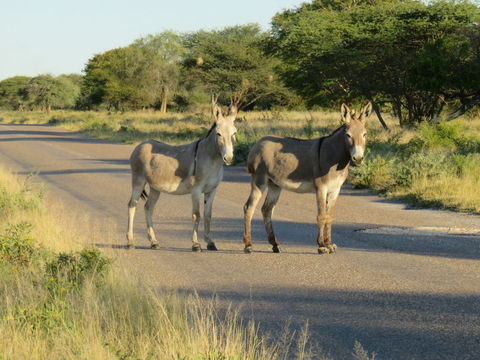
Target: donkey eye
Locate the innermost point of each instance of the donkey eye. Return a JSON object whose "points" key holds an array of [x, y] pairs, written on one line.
{"points": [[349, 136], [218, 134], [364, 134]]}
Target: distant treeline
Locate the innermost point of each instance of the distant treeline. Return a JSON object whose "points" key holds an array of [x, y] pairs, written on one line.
{"points": [[416, 58]]}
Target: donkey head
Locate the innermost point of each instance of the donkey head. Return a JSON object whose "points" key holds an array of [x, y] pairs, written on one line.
{"points": [[225, 131], [355, 132]]}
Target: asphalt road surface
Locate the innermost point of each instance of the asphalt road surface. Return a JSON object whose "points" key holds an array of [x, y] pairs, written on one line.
{"points": [[404, 282]]}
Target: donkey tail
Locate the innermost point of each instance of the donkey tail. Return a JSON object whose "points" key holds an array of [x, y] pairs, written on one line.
{"points": [[144, 195]]}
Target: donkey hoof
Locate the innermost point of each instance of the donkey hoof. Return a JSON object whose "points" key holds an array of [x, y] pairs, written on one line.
{"points": [[196, 248], [323, 250], [247, 250], [130, 246], [155, 246], [276, 249], [211, 246], [332, 248]]}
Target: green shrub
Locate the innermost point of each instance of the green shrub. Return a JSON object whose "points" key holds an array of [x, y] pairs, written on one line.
{"points": [[376, 173], [418, 165], [73, 269], [17, 247]]}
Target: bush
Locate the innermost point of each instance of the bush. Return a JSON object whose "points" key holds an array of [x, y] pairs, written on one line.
{"points": [[17, 247], [74, 268]]}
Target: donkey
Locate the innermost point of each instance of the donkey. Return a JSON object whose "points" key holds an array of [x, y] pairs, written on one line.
{"points": [[317, 166], [194, 168]]}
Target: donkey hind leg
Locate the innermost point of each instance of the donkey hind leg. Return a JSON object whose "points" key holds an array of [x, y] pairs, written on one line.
{"points": [[138, 185], [196, 193], [271, 200], [149, 207], [331, 201], [257, 188], [207, 217]]}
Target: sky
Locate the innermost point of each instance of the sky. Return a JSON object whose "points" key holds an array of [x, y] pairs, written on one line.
{"points": [[59, 36]]}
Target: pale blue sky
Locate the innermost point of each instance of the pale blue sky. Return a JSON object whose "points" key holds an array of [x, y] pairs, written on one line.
{"points": [[59, 36]]}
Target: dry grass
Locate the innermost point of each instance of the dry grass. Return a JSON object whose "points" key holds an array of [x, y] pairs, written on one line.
{"points": [[107, 315]]}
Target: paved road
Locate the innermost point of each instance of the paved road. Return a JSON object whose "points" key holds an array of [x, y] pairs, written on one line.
{"points": [[400, 283]]}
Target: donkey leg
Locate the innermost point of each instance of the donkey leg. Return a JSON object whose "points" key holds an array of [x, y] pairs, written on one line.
{"points": [[195, 218], [207, 217], [137, 187], [331, 201], [271, 200], [321, 196], [257, 188], [149, 206]]}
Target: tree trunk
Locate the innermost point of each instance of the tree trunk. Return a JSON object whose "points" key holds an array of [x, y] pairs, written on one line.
{"points": [[462, 110], [397, 108], [376, 108], [164, 101], [379, 115]]}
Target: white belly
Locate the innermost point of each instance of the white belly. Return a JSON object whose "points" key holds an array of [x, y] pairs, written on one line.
{"points": [[296, 186], [175, 187]]}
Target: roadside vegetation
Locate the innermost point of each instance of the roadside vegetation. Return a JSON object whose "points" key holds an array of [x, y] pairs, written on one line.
{"points": [[433, 165], [62, 300]]}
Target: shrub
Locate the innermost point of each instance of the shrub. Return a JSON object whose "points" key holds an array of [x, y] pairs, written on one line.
{"points": [[73, 269], [17, 247]]}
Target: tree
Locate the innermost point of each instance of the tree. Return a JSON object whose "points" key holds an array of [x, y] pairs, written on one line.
{"points": [[407, 53], [45, 92], [166, 50], [12, 92], [118, 79], [230, 62]]}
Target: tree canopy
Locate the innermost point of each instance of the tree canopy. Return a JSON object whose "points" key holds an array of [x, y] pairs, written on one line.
{"points": [[415, 56], [231, 63]]}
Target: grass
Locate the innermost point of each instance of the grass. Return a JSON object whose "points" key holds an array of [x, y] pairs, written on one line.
{"points": [[432, 166], [62, 300]]}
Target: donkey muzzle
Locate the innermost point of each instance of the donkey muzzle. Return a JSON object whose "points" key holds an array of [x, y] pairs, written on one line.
{"points": [[227, 160], [356, 156]]}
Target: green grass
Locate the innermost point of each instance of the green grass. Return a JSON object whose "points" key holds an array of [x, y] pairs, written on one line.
{"points": [[432, 166]]}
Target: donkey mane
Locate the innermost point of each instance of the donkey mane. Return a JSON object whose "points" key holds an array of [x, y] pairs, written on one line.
{"points": [[341, 127], [211, 129]]}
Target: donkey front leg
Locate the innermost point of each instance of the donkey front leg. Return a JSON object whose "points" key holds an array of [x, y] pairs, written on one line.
{"points": [[331, 201], [196, 193], [321, 196], [207, 217]]}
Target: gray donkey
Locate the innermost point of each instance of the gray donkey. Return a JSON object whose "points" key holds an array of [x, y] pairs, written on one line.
{"points": [[317, 166], [194, 169]]}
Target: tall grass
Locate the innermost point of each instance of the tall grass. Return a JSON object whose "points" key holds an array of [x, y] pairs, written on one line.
{"points": [[61, 300], [434, 166]]}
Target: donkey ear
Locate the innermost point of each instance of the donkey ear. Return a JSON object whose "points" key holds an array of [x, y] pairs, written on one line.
{"points": [[217, 112], [346, 114], [232, 111], [366, 112]]}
